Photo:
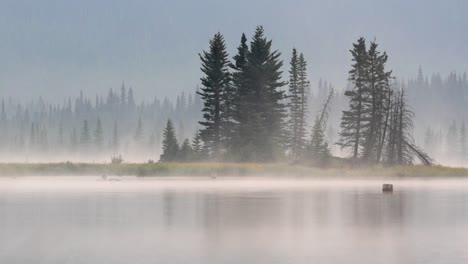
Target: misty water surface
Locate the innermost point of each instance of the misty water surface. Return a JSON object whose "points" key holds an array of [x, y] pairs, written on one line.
{"points": [[87, 220]]}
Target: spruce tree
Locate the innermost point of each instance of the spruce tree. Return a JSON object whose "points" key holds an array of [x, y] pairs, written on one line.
{"points": [[298, 89], [293, 105], [264, 100], [170, 147], [242, 103], [354, 121], [401, 149], [303, 92], [197, 147], [186, 151], [213, 92], [318, 149], [377, 82]]}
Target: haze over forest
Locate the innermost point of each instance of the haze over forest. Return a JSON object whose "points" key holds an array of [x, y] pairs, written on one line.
{"points": [[128, 67]]}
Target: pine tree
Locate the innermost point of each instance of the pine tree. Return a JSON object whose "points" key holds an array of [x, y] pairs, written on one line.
{"points": [[197, 147], [303, 91], [186, 151], [401, 149], [294, 106], [355, 120], [377, 81], [265, 107], [298, 88], [197, 144], [215, 82], [170, 147], [318, 149], [242, 101]]}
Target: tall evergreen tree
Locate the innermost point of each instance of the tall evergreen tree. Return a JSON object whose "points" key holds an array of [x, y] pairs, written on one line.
{"points": [[243, 99], [298, 88], [354, 121], [377, 81], [293, 105], [215, 84], [170, 147], [265, 105]]}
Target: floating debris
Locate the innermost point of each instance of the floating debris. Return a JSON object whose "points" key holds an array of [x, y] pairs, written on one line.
{"points": [[386, 187]]}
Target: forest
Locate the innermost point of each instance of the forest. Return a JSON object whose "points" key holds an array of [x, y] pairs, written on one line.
{"points": [[254, 107]]}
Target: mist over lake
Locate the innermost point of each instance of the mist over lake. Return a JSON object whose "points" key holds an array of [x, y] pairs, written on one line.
{"points": [[233, 220]]}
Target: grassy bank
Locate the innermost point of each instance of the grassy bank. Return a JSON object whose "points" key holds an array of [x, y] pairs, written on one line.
{"points": [[219, 169]]}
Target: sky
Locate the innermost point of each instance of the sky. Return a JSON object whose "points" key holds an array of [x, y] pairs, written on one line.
{"points": [[55, 48]]}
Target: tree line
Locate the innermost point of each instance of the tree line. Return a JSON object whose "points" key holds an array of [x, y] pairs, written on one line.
{"points": [[248, 115], [92, 129]]}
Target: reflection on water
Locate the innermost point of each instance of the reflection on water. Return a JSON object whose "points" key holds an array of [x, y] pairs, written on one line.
{"points": [[232, 221]]}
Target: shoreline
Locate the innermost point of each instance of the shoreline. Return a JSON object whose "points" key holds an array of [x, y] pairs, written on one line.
{"points": [[223, 169]]}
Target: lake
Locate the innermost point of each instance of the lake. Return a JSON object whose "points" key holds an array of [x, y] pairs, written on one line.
{"points": [[231, 220]]}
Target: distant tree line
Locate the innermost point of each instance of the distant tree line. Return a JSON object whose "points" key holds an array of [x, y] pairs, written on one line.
{"points": [[92, 129]]}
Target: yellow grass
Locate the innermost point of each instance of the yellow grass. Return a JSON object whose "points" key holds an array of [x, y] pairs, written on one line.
{"points": [[222, 169]]}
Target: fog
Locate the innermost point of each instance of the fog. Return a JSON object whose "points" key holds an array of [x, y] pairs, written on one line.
{"points": [[63, 63], [56, 48], [231, 221]]}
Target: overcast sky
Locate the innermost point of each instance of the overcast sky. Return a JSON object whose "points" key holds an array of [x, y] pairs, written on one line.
{"points": [[55, 48]]}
